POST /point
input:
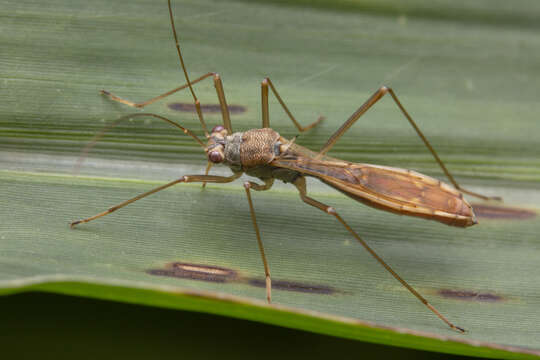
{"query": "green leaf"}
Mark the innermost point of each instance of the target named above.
(470, 81)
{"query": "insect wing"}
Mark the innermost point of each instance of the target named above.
(400, 191)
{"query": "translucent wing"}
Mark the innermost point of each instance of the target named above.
(400, 191)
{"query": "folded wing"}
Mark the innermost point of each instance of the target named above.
(400, 191)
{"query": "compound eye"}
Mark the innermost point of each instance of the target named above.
(215, 157)
(218, 128)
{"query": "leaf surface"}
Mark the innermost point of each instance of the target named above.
(469, 81)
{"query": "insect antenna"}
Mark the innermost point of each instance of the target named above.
(197, 103)
(98, 136)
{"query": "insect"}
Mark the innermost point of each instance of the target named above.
(264, 154)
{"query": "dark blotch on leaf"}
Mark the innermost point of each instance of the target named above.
(470, 295)
(500, 212)
(196, 272)
(221, 275)
(294, 286)
(208, 108)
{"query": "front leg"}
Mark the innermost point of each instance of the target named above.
(183, 179)
(142, 104)
(219, 91)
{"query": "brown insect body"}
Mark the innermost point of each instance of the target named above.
(264, 154)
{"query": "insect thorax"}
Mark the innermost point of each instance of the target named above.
(252, 151)
(251, 148)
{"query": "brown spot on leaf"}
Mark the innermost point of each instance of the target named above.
(196, 272)
(208, 108)
(469, 295)
(501, 212)
(221, 275)
(294, 286)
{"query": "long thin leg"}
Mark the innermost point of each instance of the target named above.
(98, 136)
(153, 100)
(219, 90)
(217, 83)
(266, 114)
(223, 104)
(208, 167)
(300, 184)
(248, 186)
(183, 179)
(368, 104)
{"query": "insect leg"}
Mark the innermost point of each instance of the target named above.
(183, 179)
(98, 136)
(153, 100)
(208, 167)
(383, 90)
(224, 114)
(267, 185)
(219, 90)
(223, 104)
(300, 184)
(189, 84)
(266, 114)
